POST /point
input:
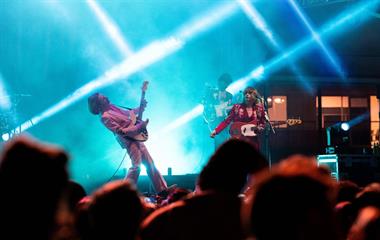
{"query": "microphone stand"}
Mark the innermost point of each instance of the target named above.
(266, 115)
(268, 153)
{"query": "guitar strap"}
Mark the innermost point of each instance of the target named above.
(124, 107)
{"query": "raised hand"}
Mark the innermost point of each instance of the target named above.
(144, 123)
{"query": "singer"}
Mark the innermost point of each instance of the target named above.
(247, 119)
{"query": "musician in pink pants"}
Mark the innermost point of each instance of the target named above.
(247, 119)
(118, 121)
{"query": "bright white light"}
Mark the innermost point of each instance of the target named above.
(196, 111)
(318, 39)
(345, 126)
(343, 19)
(110, 28)
(277, 100)
(234, 88)
(241, 83)
(150, 54)
(260, 24)
(206, 21)
(257, 20)
(5, 102)
(5, 136)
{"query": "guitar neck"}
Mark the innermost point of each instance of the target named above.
(139, 116)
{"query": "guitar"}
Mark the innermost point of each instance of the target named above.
(212, 112)
(216, 106)
(249, 129)
(142, 135)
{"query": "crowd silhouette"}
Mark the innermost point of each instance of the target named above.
(236, 196)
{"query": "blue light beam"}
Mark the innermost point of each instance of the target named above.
(329, 54)
(259, 22)
(327, 31)
(112, 30)
(150, 54)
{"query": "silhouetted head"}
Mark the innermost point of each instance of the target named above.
(229, 167)
(290, 201)
(33, 177)
(224, 80)
(115, 211)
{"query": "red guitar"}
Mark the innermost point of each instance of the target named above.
(249, 129)
(143, 133)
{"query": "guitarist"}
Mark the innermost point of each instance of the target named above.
(120, 122)
(250, 111)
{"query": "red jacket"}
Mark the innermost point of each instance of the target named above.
(239, 113)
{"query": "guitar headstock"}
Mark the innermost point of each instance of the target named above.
(293, 121)
(144, 86)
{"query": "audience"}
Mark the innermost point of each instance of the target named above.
(214, 212)
(294, 201)
(33, 177)
(115, 211)
(236, 197)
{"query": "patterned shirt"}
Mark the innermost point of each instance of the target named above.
(239, 113)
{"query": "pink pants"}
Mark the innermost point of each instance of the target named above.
(139, 154)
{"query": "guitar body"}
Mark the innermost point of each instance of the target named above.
(243, 129)
(142, 136)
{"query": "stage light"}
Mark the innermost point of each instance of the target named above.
(5, 102)
(345, 126)
(296, 51)
(278, 100)
(5, 136)
(110, 28)
(333, 60)
(257, 20)
(196, 111)
(150, 54)
(261, 25)
(355, 121)
(241, 83)
(337, 25)
(207, 20)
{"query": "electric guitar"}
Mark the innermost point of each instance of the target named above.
(142, 134)
(216, 105)
(212, 112)
(249, 129)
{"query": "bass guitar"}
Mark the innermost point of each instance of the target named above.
(249, 129)
(142, 134)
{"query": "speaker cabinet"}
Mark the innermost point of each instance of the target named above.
(361, 169)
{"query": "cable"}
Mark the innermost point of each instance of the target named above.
(122, 160)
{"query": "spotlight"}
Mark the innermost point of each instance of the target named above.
(345, 126)
(5, 137)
